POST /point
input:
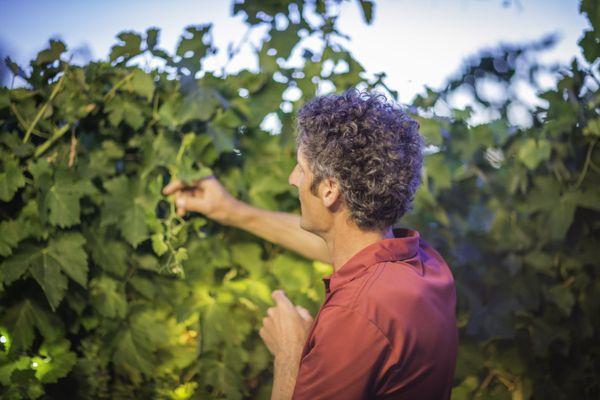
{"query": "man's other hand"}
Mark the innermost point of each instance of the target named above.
(206, 196)
(285, 328)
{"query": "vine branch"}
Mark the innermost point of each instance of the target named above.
(588, 160)
(46, 104)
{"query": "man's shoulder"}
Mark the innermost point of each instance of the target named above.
(386, 282)
(348, 319)
(399, 293)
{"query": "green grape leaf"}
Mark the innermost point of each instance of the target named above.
(192, 41)
(224, 379)
(142, 83)
(590, 41)
(200, 104)
(62, 199)
(592, 128)
(431, 130)
(129, 47)
(11, 178)
(144, 286)
(108, 297)
(367, 10)
(51, 54)
(123, 210)
(11, 233)
(8, 366)
(436, 167)
(532, 152)
(111, 255)
(122, 110)
(292, 273)
(55, 361)
(67, 251)
(158, 244)
(192, 48)
(152, 35)
(562, 297)
(285, 40)
(133, 354)
(133, 225)
(248, 255)
(136, 345)
(23, 318)
(63, 254)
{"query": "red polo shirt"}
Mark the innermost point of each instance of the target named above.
(387, 328)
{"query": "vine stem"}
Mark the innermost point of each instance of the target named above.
(488, 379)
(46, 104)
(73, 148)
(118, 85)
(58, 133)
(15, 111)
(588, 159)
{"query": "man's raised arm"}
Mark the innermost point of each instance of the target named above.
(211, 199)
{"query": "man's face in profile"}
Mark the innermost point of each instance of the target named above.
(301, 177)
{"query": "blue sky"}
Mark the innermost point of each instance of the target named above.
(416, 42)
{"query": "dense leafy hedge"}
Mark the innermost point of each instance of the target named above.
(517, 214)
(107, 293)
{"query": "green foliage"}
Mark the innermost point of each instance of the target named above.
(107, 293)
(516, 214)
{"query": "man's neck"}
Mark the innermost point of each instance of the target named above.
(345, 242)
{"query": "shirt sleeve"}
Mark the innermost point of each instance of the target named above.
(345, 358)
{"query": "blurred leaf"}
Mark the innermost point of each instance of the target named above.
(51, 54)
(63, 254)
(21, 320)
(248, 255)
(108, 297)
(142, 84)
(11, 178)
(532, 152)
(129, 47)
(55, 361)
(152, 35)
(367, 10)
(592, 128)
(284, 40)
(63, 197)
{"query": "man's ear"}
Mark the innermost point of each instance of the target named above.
(330, 191)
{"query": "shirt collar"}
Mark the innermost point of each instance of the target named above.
(404, 246)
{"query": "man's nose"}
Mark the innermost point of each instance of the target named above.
(291, 177)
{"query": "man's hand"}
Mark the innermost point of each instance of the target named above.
(206, 196)
(285, 328)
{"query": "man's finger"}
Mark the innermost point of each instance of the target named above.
(189, 201)
(180, 203)
(281, 299)
(173, 186)
(304, 313)
(202, 182)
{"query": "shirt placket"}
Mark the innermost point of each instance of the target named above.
(328, 294)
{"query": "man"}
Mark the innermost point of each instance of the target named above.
(387, 327)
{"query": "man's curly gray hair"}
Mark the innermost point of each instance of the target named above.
(371, 147)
